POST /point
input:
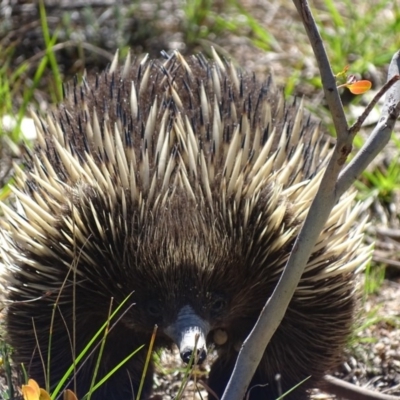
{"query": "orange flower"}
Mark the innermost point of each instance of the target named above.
(359, 87)
(355, 86)
(69, 395)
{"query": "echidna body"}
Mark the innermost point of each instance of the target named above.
(177, 187)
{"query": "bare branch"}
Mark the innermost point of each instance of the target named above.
(272, 314)
(328, 78)
(352, 392)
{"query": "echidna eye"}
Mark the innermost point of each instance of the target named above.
(154, 309)
(218, 305)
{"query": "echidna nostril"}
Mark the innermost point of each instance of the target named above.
(198, 358)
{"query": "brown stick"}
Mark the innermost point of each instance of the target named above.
(349, 391)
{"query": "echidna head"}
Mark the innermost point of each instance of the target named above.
(189, 270)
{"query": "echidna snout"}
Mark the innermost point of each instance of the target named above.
(189, 332)
(178, 186)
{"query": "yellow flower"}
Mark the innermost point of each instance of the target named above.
(32, 391)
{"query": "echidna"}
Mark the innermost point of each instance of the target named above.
(179, 186)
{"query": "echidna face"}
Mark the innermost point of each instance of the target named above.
(186, 319)
(179, 186)
(194, 281)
